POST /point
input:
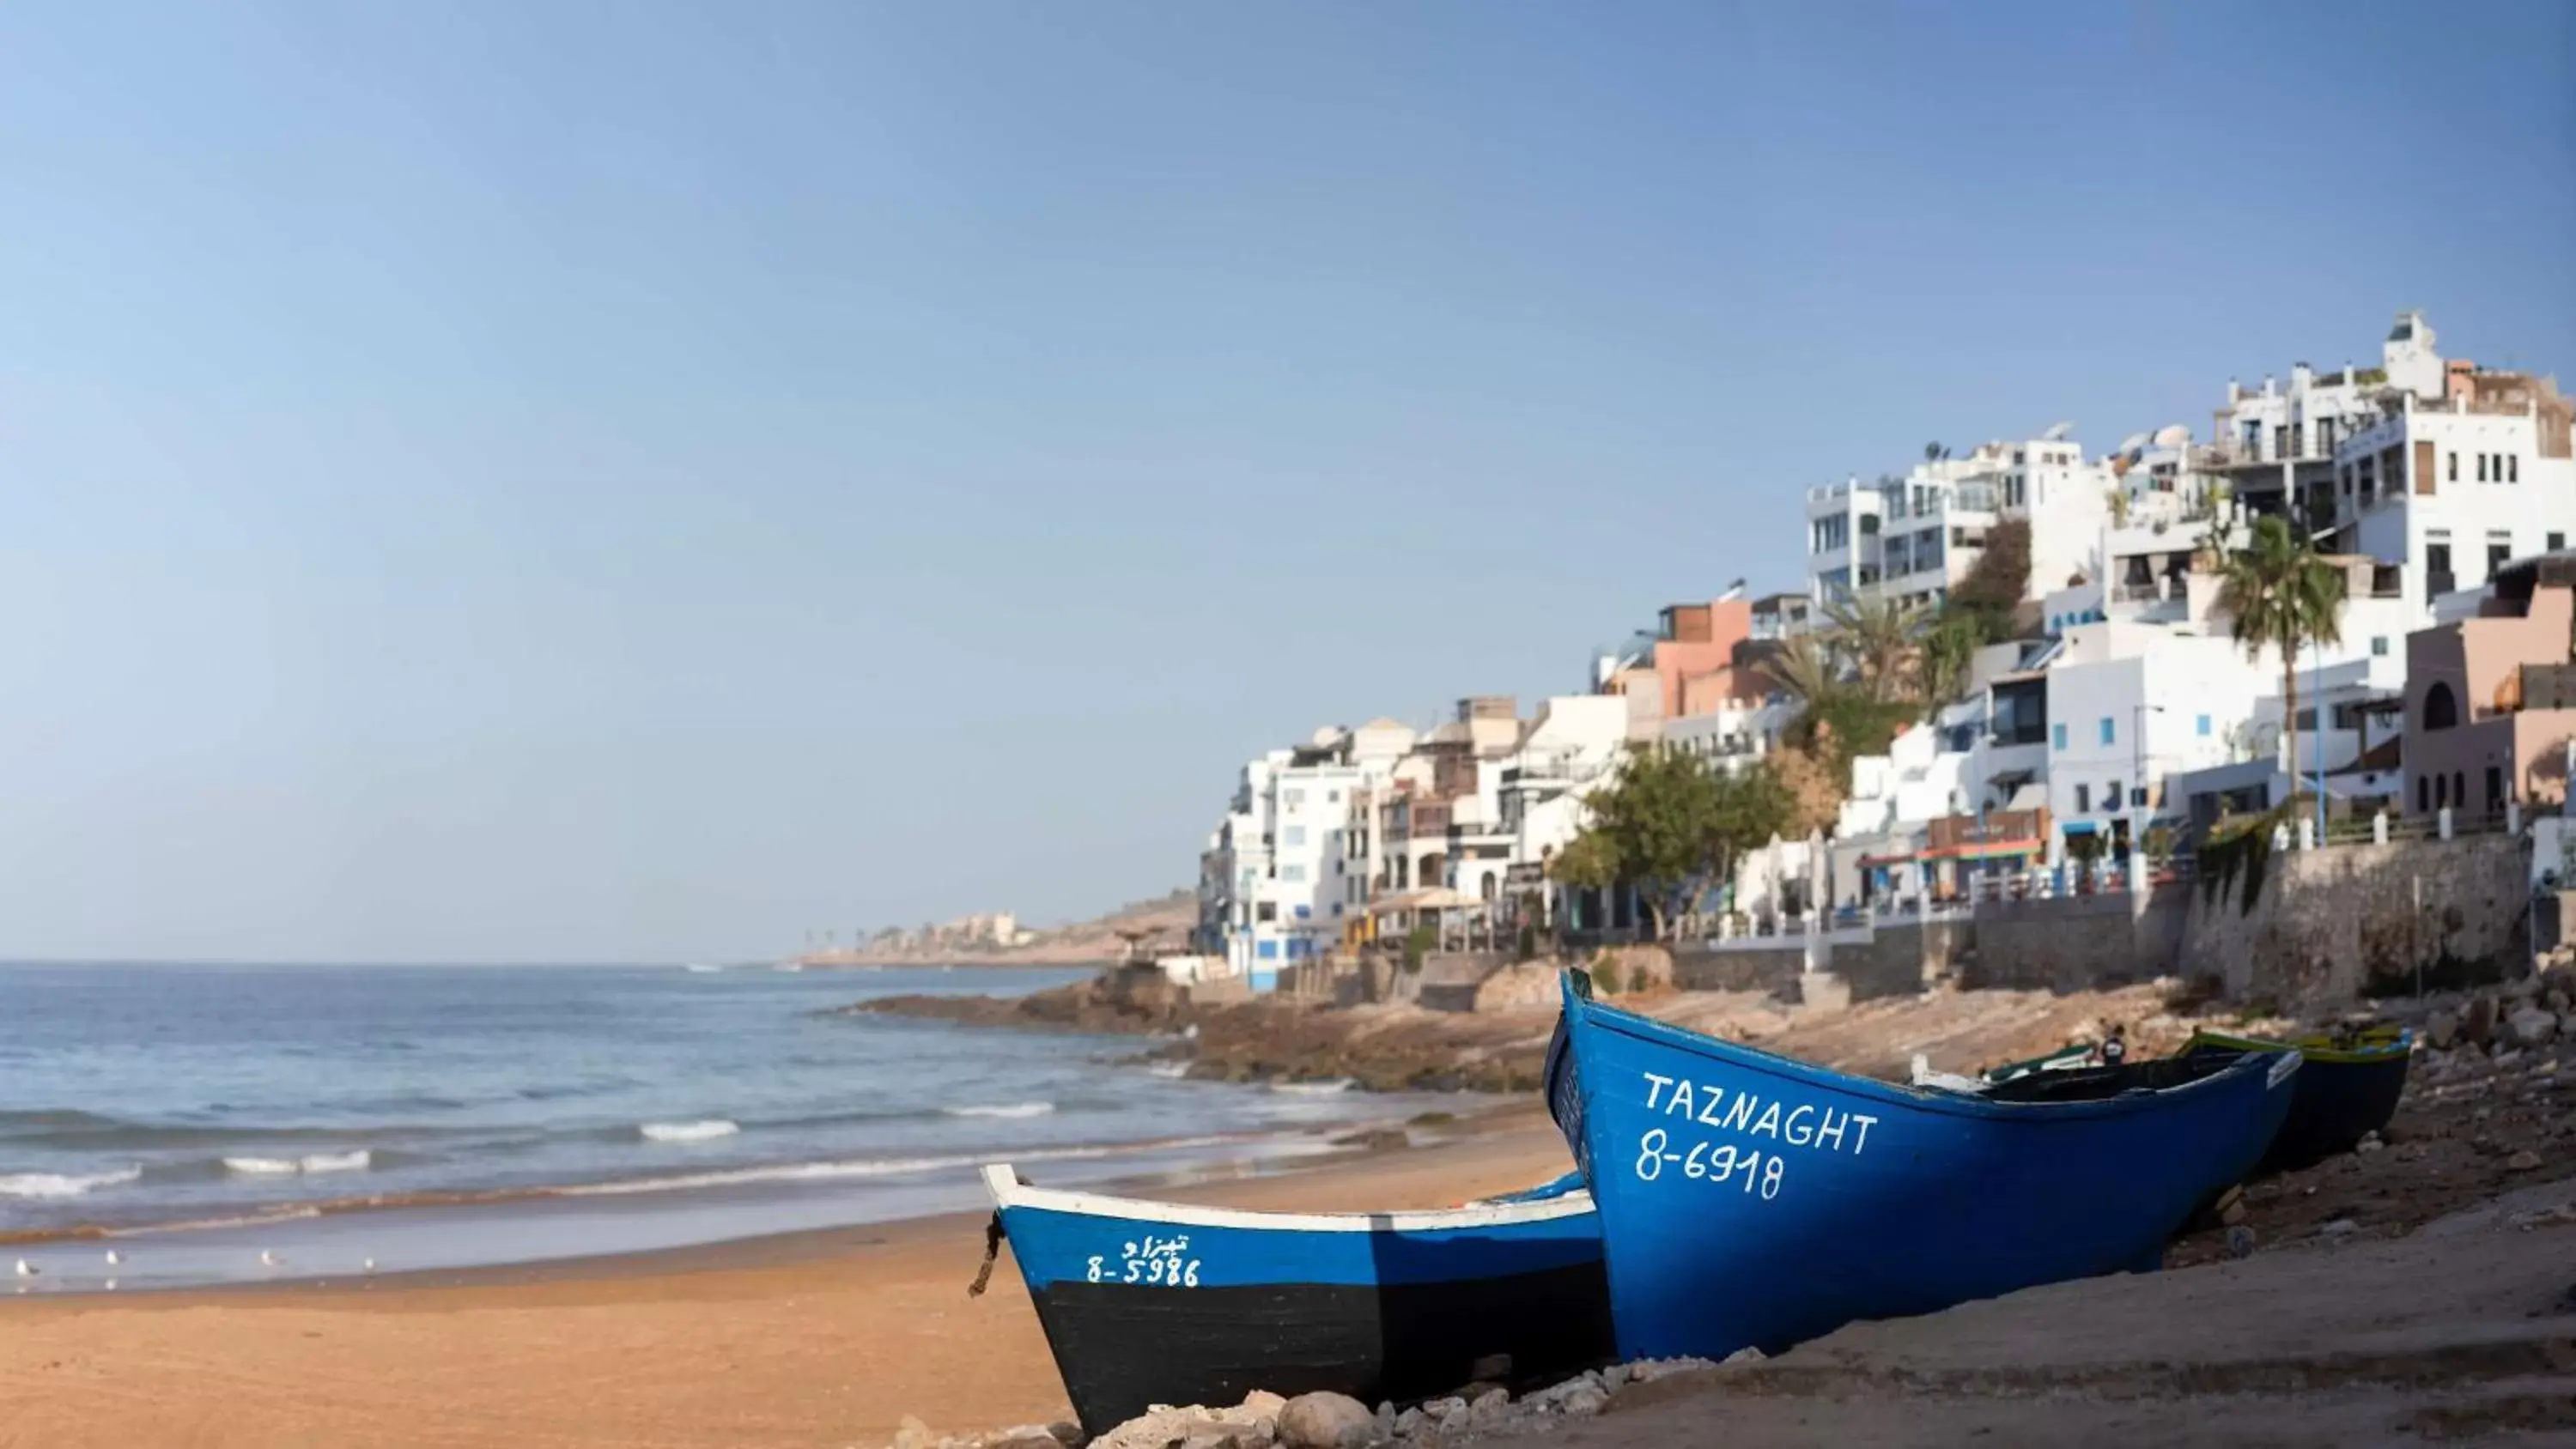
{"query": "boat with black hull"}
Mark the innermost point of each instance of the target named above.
(1149, 1303)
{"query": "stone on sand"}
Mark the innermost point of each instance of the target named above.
(1326, 1421)
(2531, 1027)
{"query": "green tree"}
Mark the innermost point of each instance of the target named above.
(1941, 661)
(1878, 636)
(1668, 825)
(2281, 593)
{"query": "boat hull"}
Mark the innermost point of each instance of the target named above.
(1150, 1303)
(2343, 1094)
(1751, 1201)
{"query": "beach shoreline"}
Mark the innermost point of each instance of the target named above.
(822, 1337)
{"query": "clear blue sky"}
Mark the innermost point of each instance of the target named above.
(561, 481)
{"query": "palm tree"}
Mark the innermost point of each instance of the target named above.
(1879, 636)
(1804, 666)
(2281, 593)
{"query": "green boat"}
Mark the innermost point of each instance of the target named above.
(2347, 1089)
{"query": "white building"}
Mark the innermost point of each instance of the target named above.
(2458, 486)
(1573, 744)
(1732, 736)
(1292, 860)
(1913, 538)
(2424, 461)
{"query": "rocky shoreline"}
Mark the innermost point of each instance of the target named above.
(1393, 1047)
(1373, 1048)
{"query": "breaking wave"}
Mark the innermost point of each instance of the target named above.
(706, 1131)
(1002, 1109)
(63, 1184)
(1313, 1089)
(358, 1161)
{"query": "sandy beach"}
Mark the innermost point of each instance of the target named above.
(811, 1339)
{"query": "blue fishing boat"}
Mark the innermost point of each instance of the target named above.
(1149, 1303)
(1751, 1201)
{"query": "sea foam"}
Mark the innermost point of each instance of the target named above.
(1313, 1089)
(63, 1184)
(357, 1161)
(706, 1131)
(1003, 1109)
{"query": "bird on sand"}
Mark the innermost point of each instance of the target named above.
(114, 1257)
(269, 1259)
(26, 1269)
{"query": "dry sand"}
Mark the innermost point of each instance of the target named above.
(811, 1340)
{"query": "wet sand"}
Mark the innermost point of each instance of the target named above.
(806, 1339)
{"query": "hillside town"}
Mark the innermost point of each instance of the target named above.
(2013, 670)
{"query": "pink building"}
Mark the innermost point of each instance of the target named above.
(2491, 701)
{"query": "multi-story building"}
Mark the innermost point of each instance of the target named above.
(2276, 446)
(2491, 700)
(2424, 461)
(1293, 858)
(1697, 659)
(1913, 538)
(2459, 485)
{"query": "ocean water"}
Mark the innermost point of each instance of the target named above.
(209, 1123)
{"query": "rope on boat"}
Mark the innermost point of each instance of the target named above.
(992, 1251)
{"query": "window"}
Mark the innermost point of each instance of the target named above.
(1293, 835)
(2057, 737)
(2513, 467)
(2557, 541)
(1266, 911)
(2482, 467)
(2423, 795)
(2441, 707)
(1292, 799)
(1332, 797)
(1337, 911)
(2200, 726)
(2437, 568)
(2455, 468)
(1305, 913)
(2378, 646)
(2083, 798)
(1267, 951)
(2110, 732)
(1292, 872)
(2111, 796)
